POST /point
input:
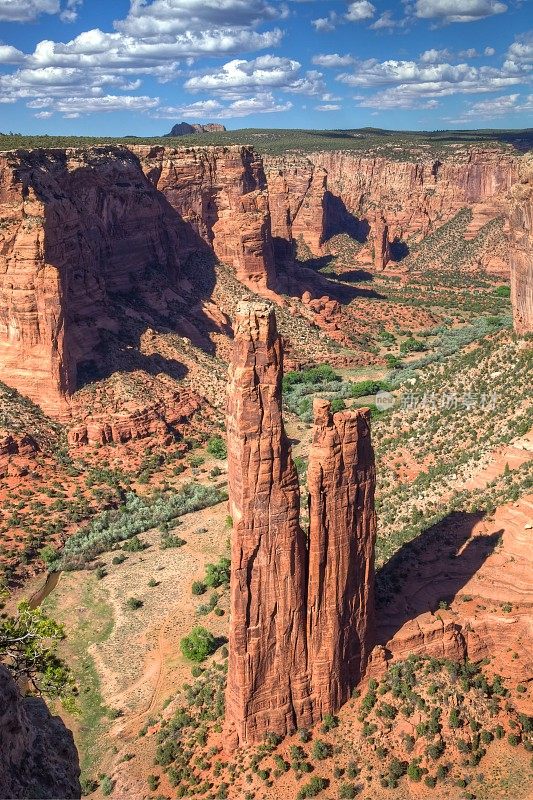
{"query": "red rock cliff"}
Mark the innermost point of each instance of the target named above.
(521, 249)
(80, 228)
(38, 757)
(341, 480)
(267, 686)
(409, 198)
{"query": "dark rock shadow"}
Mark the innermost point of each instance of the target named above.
(430, 569)
(339, 220)
(398, 249)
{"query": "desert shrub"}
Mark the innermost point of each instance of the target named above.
(216, 447)
(502, 291)
(133, 545)
(321, 750)
(198, 645)
(198, 588)
(313, 788)
(133, 603)
(106, 785)
(218, 574)
(153, 782)
(171, 540)
(414, 772)
(347, 791)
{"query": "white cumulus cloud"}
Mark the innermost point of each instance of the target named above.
(458, 10)
(360, 10)
(333, 60)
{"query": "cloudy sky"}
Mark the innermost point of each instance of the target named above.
(118, 67)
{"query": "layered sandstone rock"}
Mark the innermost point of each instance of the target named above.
(38, 757)
(267, 686)
(367, 195)
(342, 530)
(301, 618)
(521, 249)
(81, 231)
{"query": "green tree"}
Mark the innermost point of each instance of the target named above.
(28, 648)
(198, 645)
(216, 447)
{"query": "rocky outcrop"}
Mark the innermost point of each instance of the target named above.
(13, 446)
(267, 686)
(521, 249)
(301, 616)
(38, 757)
(187, 128)
(83, 232)
(342, 530)
(371, 196)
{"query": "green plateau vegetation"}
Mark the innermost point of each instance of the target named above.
(275, 141)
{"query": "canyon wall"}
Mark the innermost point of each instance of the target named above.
(317, 195)
(93, 237)
(38, 757)
(82, 231)
(301, 612)
(521, 249)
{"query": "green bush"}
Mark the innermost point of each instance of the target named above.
(133, 603)
(171, 540)
(216, 447)
(218, 574)
(364, 388)
(198, 645)
(503, 291)
(106, 785)
(321, 750)
(347, 791)
(134, 545)
(313, 788)
(198, 588)
(153, 782)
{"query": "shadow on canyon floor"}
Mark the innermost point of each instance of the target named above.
(430, 569)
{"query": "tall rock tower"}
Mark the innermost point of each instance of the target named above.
(301, 608)
(267, 676)
(342, 530)
(521, 249)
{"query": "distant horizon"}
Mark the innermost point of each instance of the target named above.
(272, 128)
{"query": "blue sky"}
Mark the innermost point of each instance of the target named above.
(119, 67)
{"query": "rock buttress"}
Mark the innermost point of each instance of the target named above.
(267, 678)
(342, 530)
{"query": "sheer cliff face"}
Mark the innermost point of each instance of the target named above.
(301, 612)
(521, 249)
(342, 530)
(320, 194)
(38, 757)
(79, 229)
(267, 682)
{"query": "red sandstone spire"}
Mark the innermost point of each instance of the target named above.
(301, 619)
(342, 531)
(267, 681)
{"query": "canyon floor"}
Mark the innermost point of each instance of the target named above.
(432, 352)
